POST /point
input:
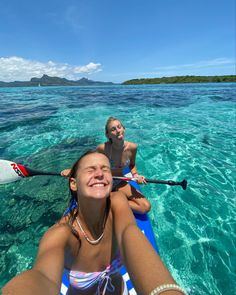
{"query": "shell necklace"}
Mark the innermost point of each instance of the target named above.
(93, 242)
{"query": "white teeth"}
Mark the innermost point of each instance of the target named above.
(98, 184)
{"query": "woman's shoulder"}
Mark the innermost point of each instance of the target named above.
(57, 235)
(101, 147)
(59, 231)
(118, 197)
(62, 234)
(130, 146)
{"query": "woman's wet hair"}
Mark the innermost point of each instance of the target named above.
(73, 201)
(109, 120)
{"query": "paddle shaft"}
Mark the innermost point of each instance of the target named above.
(10, 171)
(32, 172)
(182, 183)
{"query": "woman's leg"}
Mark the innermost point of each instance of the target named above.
(137, 201)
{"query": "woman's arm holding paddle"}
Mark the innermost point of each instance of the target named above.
(146, 269)
(133, 148)
(45, 276)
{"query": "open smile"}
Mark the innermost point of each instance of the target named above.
(98, 184)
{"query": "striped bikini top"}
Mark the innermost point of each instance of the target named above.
(82, 280)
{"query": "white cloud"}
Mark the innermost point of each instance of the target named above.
(206, 64)
(17, 68)
(91, 67)
(217, 66)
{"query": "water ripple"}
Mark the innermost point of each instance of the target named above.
(183, 131)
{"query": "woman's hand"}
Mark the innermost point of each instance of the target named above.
(139, 178)
(65, 172)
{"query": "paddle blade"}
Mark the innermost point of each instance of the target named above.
(10, 172)
(184, 184)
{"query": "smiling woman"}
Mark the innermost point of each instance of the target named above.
(90, 183)
(88, 243)
(94, 180)
(83, 242)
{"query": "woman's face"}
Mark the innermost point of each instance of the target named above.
(116, 131)
(94, 178)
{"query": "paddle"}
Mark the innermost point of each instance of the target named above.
(182, 183)
(10, 172)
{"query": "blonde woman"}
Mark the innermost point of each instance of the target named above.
(122, 156)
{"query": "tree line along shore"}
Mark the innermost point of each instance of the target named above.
(182, 79)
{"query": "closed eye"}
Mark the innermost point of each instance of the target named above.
(92, 169)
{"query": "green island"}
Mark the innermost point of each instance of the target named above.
(46, 80)
(182, 79)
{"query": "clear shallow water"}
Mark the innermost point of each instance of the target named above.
(183, 131)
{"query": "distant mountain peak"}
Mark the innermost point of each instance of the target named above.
(46, 80)
(83, 79)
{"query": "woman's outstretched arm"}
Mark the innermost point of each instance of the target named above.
(45, 276)
(144, 265)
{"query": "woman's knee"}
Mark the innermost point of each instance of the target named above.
(146, 205)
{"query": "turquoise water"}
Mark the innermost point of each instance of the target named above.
(183, 131)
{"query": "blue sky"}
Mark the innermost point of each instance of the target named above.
(108, 40)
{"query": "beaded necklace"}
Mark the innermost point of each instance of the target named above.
(93, 242)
